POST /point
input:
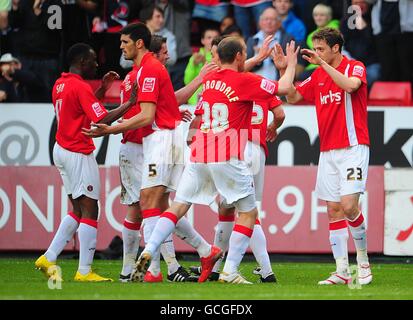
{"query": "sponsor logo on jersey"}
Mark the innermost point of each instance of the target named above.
(358, 71)
(97, 108)
(148, 85)
(331, 97)
(268, 86)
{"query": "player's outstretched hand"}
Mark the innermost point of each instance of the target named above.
(186, 115)
(108, 79)
(278, 57)
(271, 134)
(311, 56)
(99, 130)
(292, 52)
(208, 67)
(265, 51)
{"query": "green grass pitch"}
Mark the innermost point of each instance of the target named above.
(19, 280)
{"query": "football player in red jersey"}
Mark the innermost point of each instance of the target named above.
(162, 143)
(217, 164)
(338, 87)
(255, 154)
(130, 165)
(76, 107)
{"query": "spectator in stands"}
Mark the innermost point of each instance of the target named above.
(5, 33)
(112, 16)
(304, 8)
(247, 14)
(76, 22)
(392, 23)
(209, 14)
(226, 22)
(232, 30)
(290, 22)
(323, 18)
(269, 24)
(154, 19)
(359, 40)
(19, 85)
(39, 48)
(178, 21)
(198, 60)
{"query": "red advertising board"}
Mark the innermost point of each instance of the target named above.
(32, 202)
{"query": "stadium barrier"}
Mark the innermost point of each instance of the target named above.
(32, 199)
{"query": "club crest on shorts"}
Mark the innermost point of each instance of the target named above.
(90, 188)
(268, 86)
(148, 85)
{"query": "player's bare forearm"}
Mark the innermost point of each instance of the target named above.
(293, 96)
(279, 116)
(142, 119)
(285, 84)
(347, 84)
(192, 128)
(115, 114)
(251, 63)
(100, 93)
(183, 94)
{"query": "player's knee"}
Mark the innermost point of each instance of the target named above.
(350, 208)
(246, 204)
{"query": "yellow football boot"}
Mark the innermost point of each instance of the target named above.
(49, 269)
(91, 277)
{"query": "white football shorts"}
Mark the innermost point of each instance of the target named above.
(342, 172)
(254, 156)
(79, 172)
(232, 180)
(130, 168)
(163, 159)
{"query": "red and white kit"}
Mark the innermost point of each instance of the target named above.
(256, 149)
(163, 145)
(343, 130)
(217, 153)
(131, 150)
(76, 107)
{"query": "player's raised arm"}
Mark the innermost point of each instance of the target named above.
(285, 84)
(348, 84)
(281, 63)
(107, 82)
(121, 110)
(183, 94)
(263, 53)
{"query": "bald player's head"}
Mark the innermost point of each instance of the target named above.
(231, 50)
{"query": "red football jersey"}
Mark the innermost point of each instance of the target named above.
(154, 85)
(76, 106)
(341, 116)
(227, 103)
(259, 120)
(125, 92)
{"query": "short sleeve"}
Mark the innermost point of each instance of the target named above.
(358, 70)
(91, 105)
(260, 88)
(275, 102)
(306, 88)
(199, 110)
(148, 89)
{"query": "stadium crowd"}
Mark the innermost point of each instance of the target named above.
(35, 35)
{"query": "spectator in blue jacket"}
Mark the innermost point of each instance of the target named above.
(290, 22)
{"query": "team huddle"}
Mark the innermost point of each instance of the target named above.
(228, 147)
